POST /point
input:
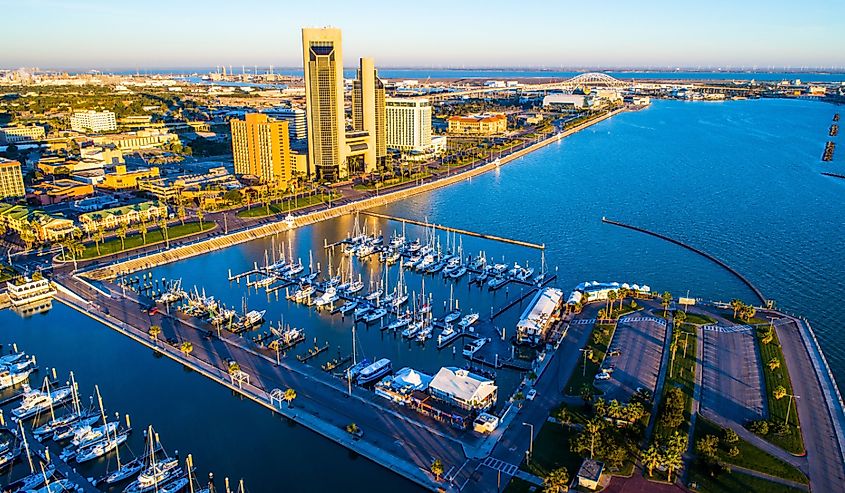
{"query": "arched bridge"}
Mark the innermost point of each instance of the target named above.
(596, 80)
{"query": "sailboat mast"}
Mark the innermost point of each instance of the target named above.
(26, 447)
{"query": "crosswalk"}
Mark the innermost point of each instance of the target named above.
(583, 321)
(730, 329)
(499, 465)
(656, 320)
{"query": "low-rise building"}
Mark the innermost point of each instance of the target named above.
(566, 102)
(150, 138)
(25, 290)
(589, 474)
(20, 133)
(463, 389)
(121, 179)
(481, 124)
(599, 291)
(25, 220)
(93, 121)
(95, 203)
(57, 191)
(168, 189)
(11, 179)
(539, 316)
(60, 165)
(109, 219)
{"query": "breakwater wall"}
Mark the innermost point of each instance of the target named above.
(691, 248)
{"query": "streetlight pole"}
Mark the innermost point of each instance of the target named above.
(530, 440)
(789, 407)
(584, 351)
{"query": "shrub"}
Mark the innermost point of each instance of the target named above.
(760, 427)
(730, 437)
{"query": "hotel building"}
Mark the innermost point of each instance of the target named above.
(408, 124)
(11, 179)
(261, 148)
(93, 121)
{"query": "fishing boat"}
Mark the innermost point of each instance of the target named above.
(328, 297)
(252, 318)
(10, 378)
(473, 347)
(448, 331)
(374, 371)
(375, 315)
(468, 320)
(36, 401)
(173, 294)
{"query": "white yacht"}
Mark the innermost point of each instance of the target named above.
(36, 401)
(10, 378)
(374, 371)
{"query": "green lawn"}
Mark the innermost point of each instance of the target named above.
(683, 377)
(699, 319)
(258, 210)
(750, 457)
(392, 182)
(517, 485)
(551, 451)
(791, 442)
(734, 482)
(135, 240)
(599, 347)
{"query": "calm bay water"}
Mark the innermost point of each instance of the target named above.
(740, 180)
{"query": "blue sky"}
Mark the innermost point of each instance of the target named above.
(434, 33)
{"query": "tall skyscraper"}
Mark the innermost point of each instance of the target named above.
(322, 57)
(408, 123)
(261, 148)
(368, 112)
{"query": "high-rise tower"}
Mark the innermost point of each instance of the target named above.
(368, 112)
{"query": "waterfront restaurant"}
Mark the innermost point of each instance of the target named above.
(441, 411)
(539, 316)
(463, 389)
(399, 387)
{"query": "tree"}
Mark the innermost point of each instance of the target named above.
(27, 235)
(154, 332)
(289, 396)
(673, 409)
(181, 213)
(680, 318)
(563, 416)
(200, 215)
(436, 469)
(99, 237)
(666, 300)
(557, 480)
(186, 348)
(623, 293)
(121, 233)
(593, 428)
(651, 458)
(736, 305)
(162, 224)
(779, 392)
(673, 462)
(774, 363)
(730, 437)
(587, 393)
(759, 427)
(143, 229)
(611, 298)
(707, 447)
(747, 313)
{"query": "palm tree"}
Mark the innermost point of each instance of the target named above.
(143, 229)
(186, 348)
(736, 305)
(200, 215)
(27, 235)
(181, 213)
(680, 318)
(593, 427)
(556, 480)
(611, 298)
(162, 224)
(437, 469)
(666, 300)
(289, 396)
(623, 293)
(651, 458)
(673, 462)
(774, 363)
(99, 237)
(121, 233)
(154, 331)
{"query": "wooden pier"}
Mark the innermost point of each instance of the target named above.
(457, 230)
(312, 353)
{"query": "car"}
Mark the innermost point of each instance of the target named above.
(603, 376)
(153, 310)
(531, 394)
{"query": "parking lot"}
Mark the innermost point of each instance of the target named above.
(731, 376)
(634, 354)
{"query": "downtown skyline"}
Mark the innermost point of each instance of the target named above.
(71, 35)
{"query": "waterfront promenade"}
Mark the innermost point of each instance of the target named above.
(132, 262)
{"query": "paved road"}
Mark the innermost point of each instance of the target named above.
(826, 466)
(640, 339)
(514, 442)
(732, 376)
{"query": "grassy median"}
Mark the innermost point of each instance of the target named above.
(287, 205)
(600, 338)
(135, 240)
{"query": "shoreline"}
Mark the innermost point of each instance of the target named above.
(146, 261)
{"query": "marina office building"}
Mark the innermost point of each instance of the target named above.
(539, 316)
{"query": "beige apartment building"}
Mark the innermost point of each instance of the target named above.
(261, 148)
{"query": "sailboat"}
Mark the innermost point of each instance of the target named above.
(102, 447)
(74, 416)
(156, 474)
